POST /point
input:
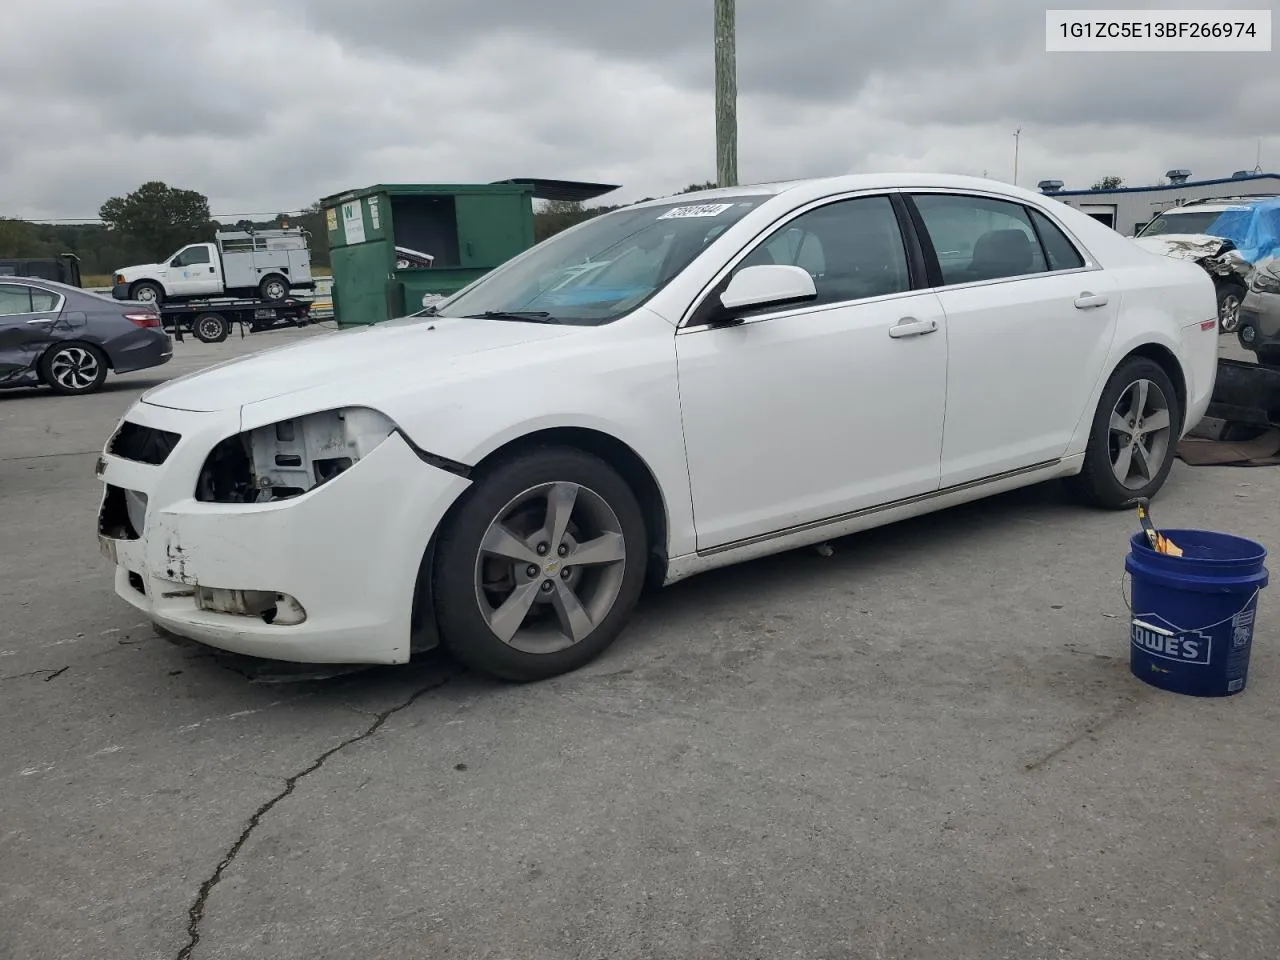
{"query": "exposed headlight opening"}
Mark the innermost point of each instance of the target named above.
(290, 457)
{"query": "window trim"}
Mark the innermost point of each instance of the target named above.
(931, 254)
(61, 298)
(913, 248)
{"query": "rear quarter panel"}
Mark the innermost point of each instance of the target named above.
(1163, 302)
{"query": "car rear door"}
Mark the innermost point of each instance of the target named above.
(25, 329)
(799, 415)
(1030, 320)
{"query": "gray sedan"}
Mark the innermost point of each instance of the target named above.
(68, 338)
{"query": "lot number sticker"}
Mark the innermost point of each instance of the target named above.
(697, 210)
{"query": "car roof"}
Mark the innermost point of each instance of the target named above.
(1220, 204)
(851, 182)
(56, 286)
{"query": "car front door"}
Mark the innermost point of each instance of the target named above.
(1029, 322)
(28, 322)
(794, 416)
(192, 272)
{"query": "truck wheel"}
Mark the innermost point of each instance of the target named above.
(274, 288)
(147, 292)
(211, 327)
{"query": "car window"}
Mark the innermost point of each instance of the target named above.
(979, 238)
(852, 248)
(1063, 254)
(606, 267)
(191, 256)
(43, 300)
(14, 299)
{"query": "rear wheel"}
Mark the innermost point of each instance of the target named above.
(211, 327)
(147, 292)
(1133, 439)
(73, 368)
(540, 568)
(273, 288)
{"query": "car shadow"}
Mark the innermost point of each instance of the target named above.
(763, 580)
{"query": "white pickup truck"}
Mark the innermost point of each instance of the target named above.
(248, 263)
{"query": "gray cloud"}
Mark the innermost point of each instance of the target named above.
(265, 107)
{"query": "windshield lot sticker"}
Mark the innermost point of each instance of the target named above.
(697, 210)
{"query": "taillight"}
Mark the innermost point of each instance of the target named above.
(143, 319)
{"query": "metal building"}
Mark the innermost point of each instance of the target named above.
(1128, 209)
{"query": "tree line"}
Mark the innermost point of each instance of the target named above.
(155, 220)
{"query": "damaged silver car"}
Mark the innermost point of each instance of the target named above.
(1260, 313)
(1226, 237)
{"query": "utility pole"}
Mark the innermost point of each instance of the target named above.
(726, 94)
(1017, 135)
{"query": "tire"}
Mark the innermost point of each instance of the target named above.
(74, 368)
(1097, 483)
(147, 292)
(210, 327)
(274, 288)
(1229, 297)
(470, 585)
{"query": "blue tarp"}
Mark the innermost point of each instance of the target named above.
(1255, 231)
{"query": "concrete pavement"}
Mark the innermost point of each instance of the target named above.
(927, 746)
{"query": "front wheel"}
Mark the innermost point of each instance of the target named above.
(1133, 438)
(147, 292)
(539, 569)
(1230, 297)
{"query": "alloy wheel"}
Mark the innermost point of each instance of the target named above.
(550, 567)
(1229, 313)
(75, 368)
(1140, 436)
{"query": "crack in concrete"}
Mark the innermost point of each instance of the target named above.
(1090, 731)
(35, 673)
(195, 915)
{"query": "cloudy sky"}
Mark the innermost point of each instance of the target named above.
(266, 105)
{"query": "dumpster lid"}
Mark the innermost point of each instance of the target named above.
(571, 190)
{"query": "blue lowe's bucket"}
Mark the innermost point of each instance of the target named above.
(1192, 625)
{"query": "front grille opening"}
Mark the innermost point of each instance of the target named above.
(120, 519)
(142, 444)
(135, 581)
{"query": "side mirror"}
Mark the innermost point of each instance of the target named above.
(768, 285)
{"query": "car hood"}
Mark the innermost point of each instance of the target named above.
(425, 347)
(1216, 254)
(139, 269)
(1183, 246)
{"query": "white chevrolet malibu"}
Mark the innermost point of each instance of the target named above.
(675, 386)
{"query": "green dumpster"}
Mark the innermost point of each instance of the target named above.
(392, 244)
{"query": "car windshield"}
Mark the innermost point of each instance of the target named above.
(603, 269)
(1192, 221)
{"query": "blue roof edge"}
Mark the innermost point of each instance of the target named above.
(1163, 186)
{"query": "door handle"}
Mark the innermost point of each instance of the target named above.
(1087, 300)
(911, 327)
(41, 320)
(211, 269)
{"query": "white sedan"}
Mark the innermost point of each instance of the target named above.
(679, 385)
